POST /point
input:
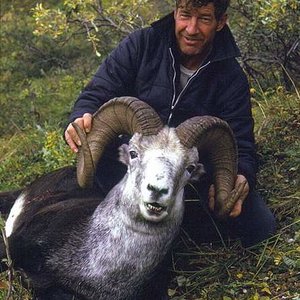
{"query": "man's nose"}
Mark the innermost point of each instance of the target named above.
(192, 26)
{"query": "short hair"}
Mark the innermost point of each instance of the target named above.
(220, 5)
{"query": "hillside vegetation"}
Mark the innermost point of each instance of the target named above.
(49, 51)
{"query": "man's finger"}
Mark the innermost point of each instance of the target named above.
(237, 209)
(240, 193)
(70, 142)
(243, 190)
(71, 136)
(74, 136)
(87, 122)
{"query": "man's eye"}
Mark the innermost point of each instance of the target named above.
(133, 154)
(184, 16)
(205, 19)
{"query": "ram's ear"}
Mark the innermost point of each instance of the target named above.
(198, 172)
(124, 154)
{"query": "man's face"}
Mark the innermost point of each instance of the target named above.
(195, 28)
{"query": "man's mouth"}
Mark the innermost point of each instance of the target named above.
(191, 40)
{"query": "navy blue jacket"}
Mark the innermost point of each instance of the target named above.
(146, 65)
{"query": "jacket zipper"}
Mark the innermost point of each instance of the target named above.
(174, 87)
(174, 100)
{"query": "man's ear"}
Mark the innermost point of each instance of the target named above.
(222, 22)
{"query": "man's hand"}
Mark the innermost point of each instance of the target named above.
(85, 123)
(241, 190)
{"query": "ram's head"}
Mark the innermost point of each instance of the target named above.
(158, 169)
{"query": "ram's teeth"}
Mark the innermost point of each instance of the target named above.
(154, 208)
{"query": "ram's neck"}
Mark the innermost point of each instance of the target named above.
(117, 224)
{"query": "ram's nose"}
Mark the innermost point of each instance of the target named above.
(157, 192)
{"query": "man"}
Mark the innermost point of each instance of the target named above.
(183, 65)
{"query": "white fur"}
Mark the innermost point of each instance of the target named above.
(13, 215)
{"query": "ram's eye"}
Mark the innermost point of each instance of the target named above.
(191, 168)
(133, 154)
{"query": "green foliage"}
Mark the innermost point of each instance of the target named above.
(40, 77)
(270, 14)
(268, 34)
(52, 22)
(30, 153)
(55, 154)
(103, 23)
(38, 100)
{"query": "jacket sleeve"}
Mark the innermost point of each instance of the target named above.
(235, 108)
(115, 77)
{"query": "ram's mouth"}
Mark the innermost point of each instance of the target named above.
(155, 208)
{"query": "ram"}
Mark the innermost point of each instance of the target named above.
(70, 241)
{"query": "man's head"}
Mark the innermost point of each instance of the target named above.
(220, 5)
(196, 23)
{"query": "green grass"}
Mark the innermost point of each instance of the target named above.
(266, 271)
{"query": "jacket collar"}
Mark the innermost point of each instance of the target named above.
(224, 45)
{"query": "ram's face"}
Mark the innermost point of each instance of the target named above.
(158, 169)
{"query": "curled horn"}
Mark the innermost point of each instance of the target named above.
(123, 115)
(215, 141)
